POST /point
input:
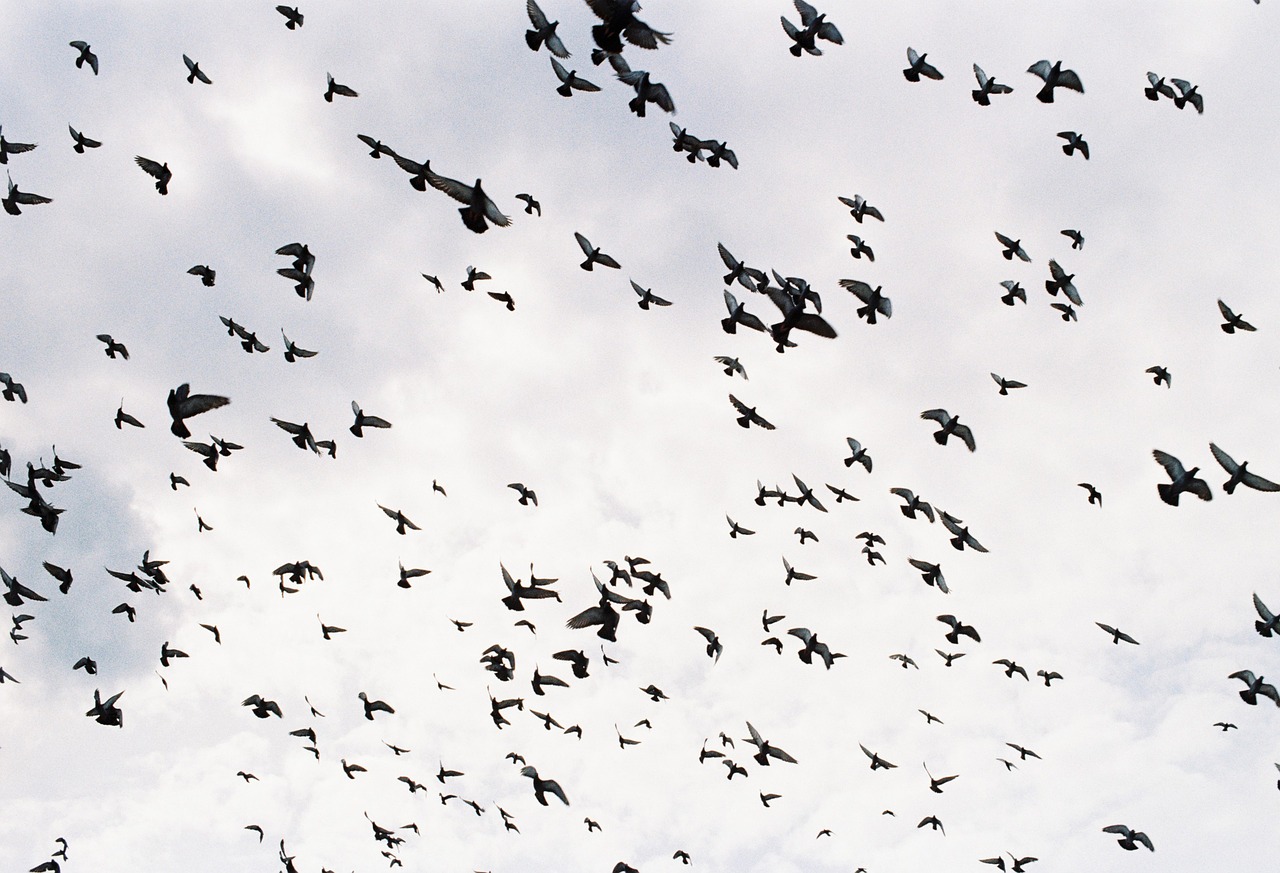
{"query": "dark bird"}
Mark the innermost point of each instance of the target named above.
(1255, 687)
(1075, 142)
(747, 277)
(540, 680)
(987, 86)
(919, 67)
(105, 712)
(860, 248)
(1157, 87)
(812, 646)
(872, 298)
(1012, 247)
(912, 504)
(543, 32)
(543, 787)
(377, 149)
(906, 660)
(814, 26)
(931, 573)
(160, 172)
(681, 855)
(748, 416)
(930, 718)
(1068, 312)
(950, 426)
(334, 88)
(293, 18)
(1231, 325)
(1188, 94)
(292, 351)
(805, 535)
(477, 206)
(262, 707)
(738, 315)
(647, 297)
(577, 661)
(1023, 753)
(527, 495)
(194, 72)
(1240, 474)
(806, 495)
(655, 693)
(735, 529)
(594, 255)
(328, 630)
(1160, 374)
(877, 763)
(87, 664)
(1054, 77)
(766, 750)
(962, 536)
(183, 405)
(352, 769)
(1011, 667)
(401, 521)
(1226, 726)
(63, 576)
(1183, 479)
(15, 198)
(127, 611)
(363, 421)
(1129, 839)
(85, 56)
(206, 274)
(957, 630)
(859, 208)
(731, 365)
(591, 825)
(933, 822)
(16, 148)
(530, 205)
(1061, 281)
(1048, 676)
(1269, 624)
(1013, 291)
(1006, 384)
(213, 629)
(1095, 496)
(122, 417)
(647, 91)
(81, 142)
(619, 21)
(714, 647)
(474, 276)
(794, 574)
(570, 81)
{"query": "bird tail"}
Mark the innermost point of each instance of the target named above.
(941, 437)
(1168, 494)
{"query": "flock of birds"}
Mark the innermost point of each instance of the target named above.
(633, 585)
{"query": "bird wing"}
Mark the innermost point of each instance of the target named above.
(938, 415)
(150, 167)
(1041, 69)
(459, 191)
(1068, 79)
(1171, 464)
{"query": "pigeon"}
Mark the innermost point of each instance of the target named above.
(1157, 87)
(619, 21)
(543, 32)
(919, 67)
(293, 351)
(1183, 479)
(986, 87)
(1095, 496)
(1013, 291)
(814, 26)
(183, 405)
(860, 209)
(335, 88)
(113, 348)
(957, 630)
(877, 763)
(860, 248)
(206, 274)
(1012, 247)
(1160, 375)
(570, 81)
(1006, 384)
(1233, 321)
(16, 148)
(401, 521)
(950, 426)
(86, 56)
(81, 142)
(647, 297)
(530, 206)
(594, 255)
(1116, 635)
(1188, 94)
(1240, 474)
(1054, 77)
(1075, 142)
(16, 198)
(160, 172)
(874, 301)
(293, 18)
(1061, 281)
(748, 416)
(1129, 839)
(543, 787)
(1255, 687)
(1077, 238)
(194, 72)
(478, 208)
(647, 91)
(362, 421)
(1269, 624)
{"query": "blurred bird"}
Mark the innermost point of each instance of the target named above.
(543, 787)
(986, 87)
(1013, 291)
(183, 405)
(1189, 94)
(160, 172)
(1074, 142)
(1077, 238)
(1183, 479)
(814, 26)
(1116, 635)
(86, 56)
(1095, 496)
(335, 88)
(206, 274)
(1160, 375)
(478, 207)
(860, 209)
(527, 495)
(81, 142)
(919, 67)
(399, 517)
(1233, 321)
(113, 348)
(860, 248)
(619, 21)
(530, 205)
(293, 18)
(1157, 87)
(1054, 77)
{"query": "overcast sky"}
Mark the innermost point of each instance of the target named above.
(619, 419)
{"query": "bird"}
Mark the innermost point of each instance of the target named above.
(478, 207)
(594, 255)
(81, 142)
(571, 81)
(334, 88)
(194, 72)
(1075, 142)
(912, 504)
(919, 67)
(1023, 753)
(958, 629)
(1268, 625)
(1095, 496)
(327, 630)
(293, 351)
(1226, 726)
(766, 750)
(206, 274)
(950, 426)
(160, 172)
(15, 198)
(530, 205)
(647, 91)
(1240, 474)
(1160, 375)
(293, 18)
(113, 348)
(1068, 313)
(15, 148)
(1255, 686)
(794, 574)
(1011, 667)
(1048, 676)
(748, 416)
(619, 21)
(1183, 479)
(962, 536)
(543, 787)
(362, 421)
(655, 693)
(376, 148)
(873, 299)
(731, 365)
(931, 573)
(1006, 384)
(877, 763)
(714, 647)
(1061, 281)
(859, 208)
(1013, 291)
(352, 769)
(1116, 635)
(1157, 87)
(1012, 247)
(860, 248)
(906, 661)
(933, 822)
(987, 86)
(735, 529)
(122, 417)
(401, 521)
(262, 707)
(1054, 77)
(1233, 322)
(1187, 94)
(543, 32)
(739, 316)
(1077, 238)
(814, 26)
(527, 495)
(1129, 839)
(183, 405)
(647, 297)
(86, 56)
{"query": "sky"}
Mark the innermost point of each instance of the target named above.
(619, 419)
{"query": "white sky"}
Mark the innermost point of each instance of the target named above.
(618, 418)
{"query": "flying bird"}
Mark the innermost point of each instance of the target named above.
(81, 142)
(86, 56)
(1075, 142)
(950, 426)
(594, 255)
(958, 629)
(1188, 94)
(1233, 322)
(362, 421)
(1157, 87)
(478, 207)
(873, 299)
(619, 21)
(647, 297)
(1012, 247)
(1129, 839)
(15, 148)
(877, 763)
(1054, 77)
(399, 517)
(859, 208)
(1183, 479)
(1269, 624)
(293, 18)
(160, 172)
(194, 72)
(1240, 474)
(987, 86)
(1006, 384)
(1095, 496)
(335, 88)
(748, 416)
(16, 198)
(183, 405)
(1160, 375)
(1255, 687)
(543, 32)
(814, 26)
(919, 67)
